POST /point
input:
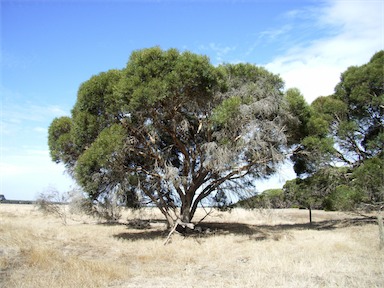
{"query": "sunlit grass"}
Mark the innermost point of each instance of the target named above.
(267, 248)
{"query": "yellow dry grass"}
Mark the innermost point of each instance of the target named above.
(261, 248)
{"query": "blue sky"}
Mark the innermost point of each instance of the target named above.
(48, 48)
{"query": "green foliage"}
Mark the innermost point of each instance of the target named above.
(97, 162)
(236, 75)
(96, 108)
(321, 190)
(225, 112)
(269, 199)
(320, 147)
(318, 126)
(345, 128)
(329, 108)
(297, 193)
(221, 201)
(274, 198)
(369, 179)
(298, 107)
(361, 89)
(153, 75)
(340, 188)
(60, 142)
(343, 198)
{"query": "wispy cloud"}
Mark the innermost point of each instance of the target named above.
(219, 51)
(273, 34)
(27, 111)
(25, 164)
(18, 114)
(354, 32)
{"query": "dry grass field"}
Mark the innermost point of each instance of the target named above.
(261, 248)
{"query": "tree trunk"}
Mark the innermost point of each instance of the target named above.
(310, 214)
(185, 213)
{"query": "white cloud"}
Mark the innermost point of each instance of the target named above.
(354, 33)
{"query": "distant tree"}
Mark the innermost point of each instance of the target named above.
(345, 129)
(359, 130)
(268, 199)
(273, 198)
(173, 129)
(324, 189)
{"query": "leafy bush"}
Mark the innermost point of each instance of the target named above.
(343, 198)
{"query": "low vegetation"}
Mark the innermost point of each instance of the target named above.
(236, 248)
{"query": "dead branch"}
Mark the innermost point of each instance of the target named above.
(206, 213)
(182, 224)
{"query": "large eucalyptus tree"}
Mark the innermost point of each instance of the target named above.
(172, 128)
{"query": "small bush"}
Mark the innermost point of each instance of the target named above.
(107, 208)
(53, 202)
(79, 204)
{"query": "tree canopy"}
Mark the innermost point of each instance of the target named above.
(343, 135)
(173, 129)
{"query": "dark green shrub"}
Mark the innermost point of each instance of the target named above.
(343, 198)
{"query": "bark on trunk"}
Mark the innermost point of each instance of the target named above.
(185, 213)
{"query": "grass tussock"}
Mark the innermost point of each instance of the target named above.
(273, 248)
